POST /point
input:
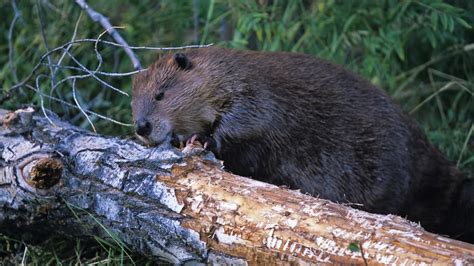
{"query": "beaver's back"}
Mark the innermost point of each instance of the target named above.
(307, 118)
(295, 120)
(299, 121)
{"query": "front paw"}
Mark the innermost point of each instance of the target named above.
(207, 142)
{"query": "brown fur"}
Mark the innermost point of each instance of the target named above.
(295, 120)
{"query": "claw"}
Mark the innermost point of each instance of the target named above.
(192, 139)
(204, 141)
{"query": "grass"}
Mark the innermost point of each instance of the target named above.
(63, 251)
(108, 250)
(420, 52)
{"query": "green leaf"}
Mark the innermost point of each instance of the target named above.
(291, 33)
(450, 24)
(259, 33)
(434, 20)
(400, 52)
(463, 22)
(354, 247)
(431, 38)
(440, 6)
(444, 21)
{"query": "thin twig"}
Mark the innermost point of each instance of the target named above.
(74, 34)
(79, 106)
(362, 254)
(56, 67)
(96, 50)
(108, 74)
(65, 50)
(23, 259)
(40, 93)
(97, 17)
(61, 47)
(150, 47)
(74, 106)
(95, 76)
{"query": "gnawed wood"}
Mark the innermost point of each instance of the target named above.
(182, 207)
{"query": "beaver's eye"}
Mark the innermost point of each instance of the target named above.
(159, 96)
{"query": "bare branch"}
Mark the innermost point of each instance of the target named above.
(91, 73)
(58, 65)
(65, 50)
(87, 40)
(108, 74)
(79, 106)
(97, 17)
(75, 107)
(40, 93)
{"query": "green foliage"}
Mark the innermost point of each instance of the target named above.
(410, 48)
(354, 247)
(420, 51)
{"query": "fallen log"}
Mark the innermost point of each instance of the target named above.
(181, 206)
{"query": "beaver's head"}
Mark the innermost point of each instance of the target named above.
(173, 99)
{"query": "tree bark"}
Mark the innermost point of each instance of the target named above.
(182, 207)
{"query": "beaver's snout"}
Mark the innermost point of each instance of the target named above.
(143, 127)
(152, 132)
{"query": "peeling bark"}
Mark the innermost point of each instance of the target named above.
(182, 207)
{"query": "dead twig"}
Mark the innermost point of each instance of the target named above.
(89, 40)
(79, 106)
(97, 17)
(75, 107)
(83, 71)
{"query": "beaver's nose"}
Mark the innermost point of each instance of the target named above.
(143, 127)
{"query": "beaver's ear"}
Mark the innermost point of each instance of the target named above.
(182, 61)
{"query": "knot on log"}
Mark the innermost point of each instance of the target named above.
(45, 173)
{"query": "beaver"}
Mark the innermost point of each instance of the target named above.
(295, 120)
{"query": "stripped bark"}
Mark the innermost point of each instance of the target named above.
(181, 206)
